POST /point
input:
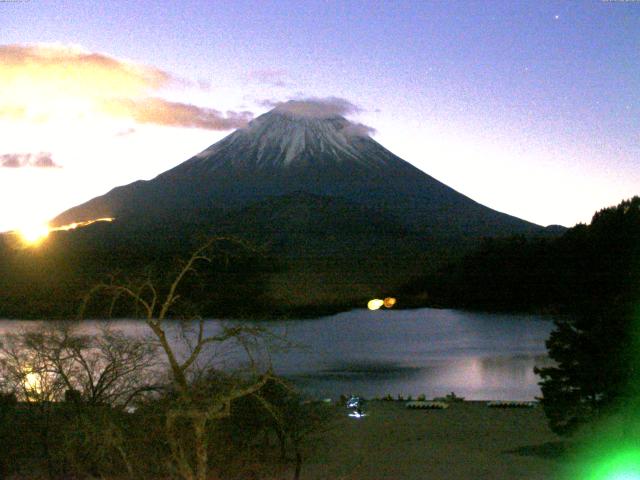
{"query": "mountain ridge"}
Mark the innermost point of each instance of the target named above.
(279, 153)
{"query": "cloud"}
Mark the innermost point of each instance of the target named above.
(162, 112)
(327, 107)
(45, 69)
(12, 160)
(20, 160)
(43, 160)
(315, 107)
(61, 83)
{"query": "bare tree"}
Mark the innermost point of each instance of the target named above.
(191, 406)
(27, 371)
(107, 368)
(56, 363)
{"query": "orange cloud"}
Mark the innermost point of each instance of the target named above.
(63, 84)
(80, 65)
(163, 112)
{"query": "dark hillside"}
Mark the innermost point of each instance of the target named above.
(588, 265)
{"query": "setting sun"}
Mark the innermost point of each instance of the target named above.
(33, 382)
(33, 234)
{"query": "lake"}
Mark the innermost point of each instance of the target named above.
(479, 356)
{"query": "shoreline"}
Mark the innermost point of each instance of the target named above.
(468, 440)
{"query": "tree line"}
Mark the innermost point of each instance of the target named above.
(587, 265)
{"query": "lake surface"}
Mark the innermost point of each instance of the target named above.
(478, 356)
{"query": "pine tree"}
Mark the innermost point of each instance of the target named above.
(597, 349)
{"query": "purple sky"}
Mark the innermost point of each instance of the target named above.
(531, 108)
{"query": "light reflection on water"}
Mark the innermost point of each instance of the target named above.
(479, 356)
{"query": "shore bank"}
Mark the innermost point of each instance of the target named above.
(468, 440)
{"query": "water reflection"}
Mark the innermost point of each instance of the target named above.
(410, 352)
(477, 378)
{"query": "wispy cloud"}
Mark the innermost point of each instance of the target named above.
(326, 107)
(21, 160)
(50, 82)
(316, 107)
(71, 71)
(163, 112)
(38, 56)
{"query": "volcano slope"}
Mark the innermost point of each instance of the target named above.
(339, 217)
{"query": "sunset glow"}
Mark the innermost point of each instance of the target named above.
(87, 113)
(33, 234)
(74, 225)
(32, 383)
(110, 108)
(42, 83)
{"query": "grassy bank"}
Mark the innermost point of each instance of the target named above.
(468, 440)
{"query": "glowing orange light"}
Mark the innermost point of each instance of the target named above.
(33, 234)
(375, 304)
(33, 382)
(389, 302)
(74, 225)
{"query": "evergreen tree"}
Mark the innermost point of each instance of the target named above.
(596, 348)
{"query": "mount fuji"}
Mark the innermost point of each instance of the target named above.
(281, 153)
(344, 217)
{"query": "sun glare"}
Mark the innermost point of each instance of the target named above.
(33, 234)
(74, 225)
(33, 382)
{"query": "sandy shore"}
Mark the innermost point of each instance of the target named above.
(466, 441)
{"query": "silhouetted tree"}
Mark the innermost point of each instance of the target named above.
(195, 402)
(57, 362)
(596, 348)
(277, 408)
(73, 390)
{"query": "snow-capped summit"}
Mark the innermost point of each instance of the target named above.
(302, 147)
(281, 138)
